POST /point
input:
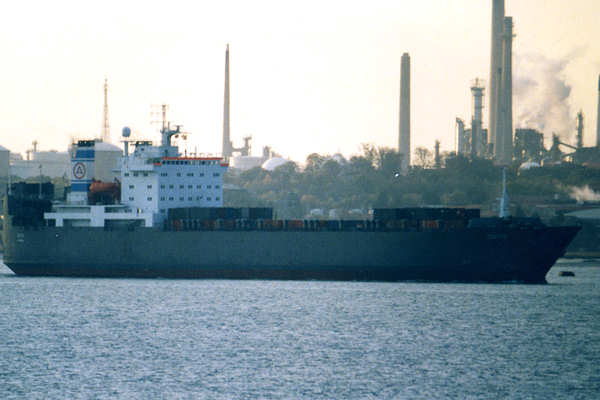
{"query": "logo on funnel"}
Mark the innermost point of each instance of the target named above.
(79, 170)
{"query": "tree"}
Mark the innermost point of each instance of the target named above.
(423, 158)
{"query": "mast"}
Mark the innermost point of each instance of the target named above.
(105, 124)
(504, 200)
(226, 133)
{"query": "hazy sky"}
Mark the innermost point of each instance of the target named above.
(306, 76)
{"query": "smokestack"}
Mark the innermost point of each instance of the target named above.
(598, 117)
(477, 119)
(504, 120)
(404, 134)
(227, 146)
(495, 68)
(580, 129)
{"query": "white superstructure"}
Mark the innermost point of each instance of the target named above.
(154, 184)
(153, 180)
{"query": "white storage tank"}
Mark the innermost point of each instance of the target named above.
(244, 163)
(106, 159)
(274, 162)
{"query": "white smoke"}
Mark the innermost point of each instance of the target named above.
(541, 96)
(583, 194)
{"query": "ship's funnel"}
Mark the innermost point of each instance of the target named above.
(82, 171)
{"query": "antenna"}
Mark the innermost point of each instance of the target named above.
(504, 200)
(227, 145)
(105, 125)
(161, 113)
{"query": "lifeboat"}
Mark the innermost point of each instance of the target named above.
(104, 192)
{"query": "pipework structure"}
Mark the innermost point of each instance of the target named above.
(477, 138)
(404, 123)
(461, 143)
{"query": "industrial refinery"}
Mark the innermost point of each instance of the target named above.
(502, 143)
(496, 140)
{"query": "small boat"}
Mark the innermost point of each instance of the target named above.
(566, 273)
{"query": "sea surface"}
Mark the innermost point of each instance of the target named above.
(63, 338)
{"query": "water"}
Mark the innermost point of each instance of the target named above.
(127, 338)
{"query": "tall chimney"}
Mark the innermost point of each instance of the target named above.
(504, 125)
(227, 146)
(404, 134)
(495, 68)
(598, 117)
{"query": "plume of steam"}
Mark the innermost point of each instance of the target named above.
(541, 95)
(584, 193)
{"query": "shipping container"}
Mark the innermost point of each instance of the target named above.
(294, 225)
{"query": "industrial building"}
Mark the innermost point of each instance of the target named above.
(51, 163)
(473, 141)
(56, 164)
(529, 146)
(4, 162)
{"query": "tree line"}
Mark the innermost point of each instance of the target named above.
(372, 179)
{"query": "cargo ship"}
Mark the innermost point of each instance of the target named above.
(169, 222)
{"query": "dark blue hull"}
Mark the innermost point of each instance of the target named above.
(467, 255)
